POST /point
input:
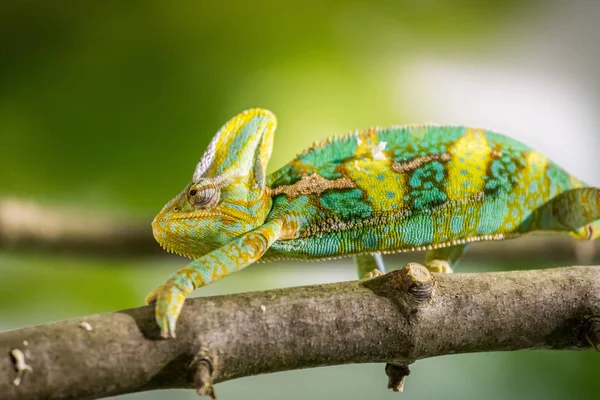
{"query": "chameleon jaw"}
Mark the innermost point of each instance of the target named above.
(169, 241)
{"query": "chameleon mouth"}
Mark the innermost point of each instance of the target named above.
(169, 241)
(172, 237)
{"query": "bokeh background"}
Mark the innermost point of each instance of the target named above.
(107, 106)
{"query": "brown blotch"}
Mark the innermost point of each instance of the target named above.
(312, 184)
(411, 165)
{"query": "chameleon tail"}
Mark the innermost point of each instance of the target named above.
(576, 211)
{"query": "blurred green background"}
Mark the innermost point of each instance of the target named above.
(107, 106)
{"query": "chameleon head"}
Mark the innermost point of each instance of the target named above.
(184, 223)
(227, 196)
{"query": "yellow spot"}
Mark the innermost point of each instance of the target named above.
(380, 183)
(471, 155)
(535, 165)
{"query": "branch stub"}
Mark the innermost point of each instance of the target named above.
(204, 371)
(396, 376)
(417, 281)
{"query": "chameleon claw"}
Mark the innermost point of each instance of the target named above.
(169, 301)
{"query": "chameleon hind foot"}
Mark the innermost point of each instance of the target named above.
(439, 266)
(373, 274)
(442, 259)
(369, 265)
(169, 301)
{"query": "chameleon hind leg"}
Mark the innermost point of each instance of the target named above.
(369, 265)
(442, 260)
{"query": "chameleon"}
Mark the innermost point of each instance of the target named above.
(427, 187)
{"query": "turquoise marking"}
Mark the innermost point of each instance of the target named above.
(407, 144)
(417, 230)
(491, 216)
(329, 172)
(345, 204)
(370, 241)
(235, 151)
(533, 186)
(321, 156)
(559, 181)
(457, 223)
(433, 170)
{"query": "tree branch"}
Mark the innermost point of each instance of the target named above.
(398, 318)
(28, 226)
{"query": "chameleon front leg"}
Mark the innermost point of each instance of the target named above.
(444, 259)
(369, 265)
(221, 262)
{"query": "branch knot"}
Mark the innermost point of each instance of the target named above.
(417, 281)
(396, 376)
(205, 372)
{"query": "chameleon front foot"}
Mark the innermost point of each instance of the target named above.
(169, 301)
(439, 266)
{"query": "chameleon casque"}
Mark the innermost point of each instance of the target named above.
(381, 190)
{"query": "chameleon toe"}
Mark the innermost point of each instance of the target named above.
(169, 302)
(373, 274)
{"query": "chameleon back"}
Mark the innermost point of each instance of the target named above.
(421, 187)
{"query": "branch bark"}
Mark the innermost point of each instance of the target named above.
(398, 318)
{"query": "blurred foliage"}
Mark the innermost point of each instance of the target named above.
(109, 105)
(112, 103)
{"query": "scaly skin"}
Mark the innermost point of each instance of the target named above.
(421, 187)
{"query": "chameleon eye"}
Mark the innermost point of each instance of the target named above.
(205, 195)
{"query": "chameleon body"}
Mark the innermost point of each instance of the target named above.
(380, 190)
